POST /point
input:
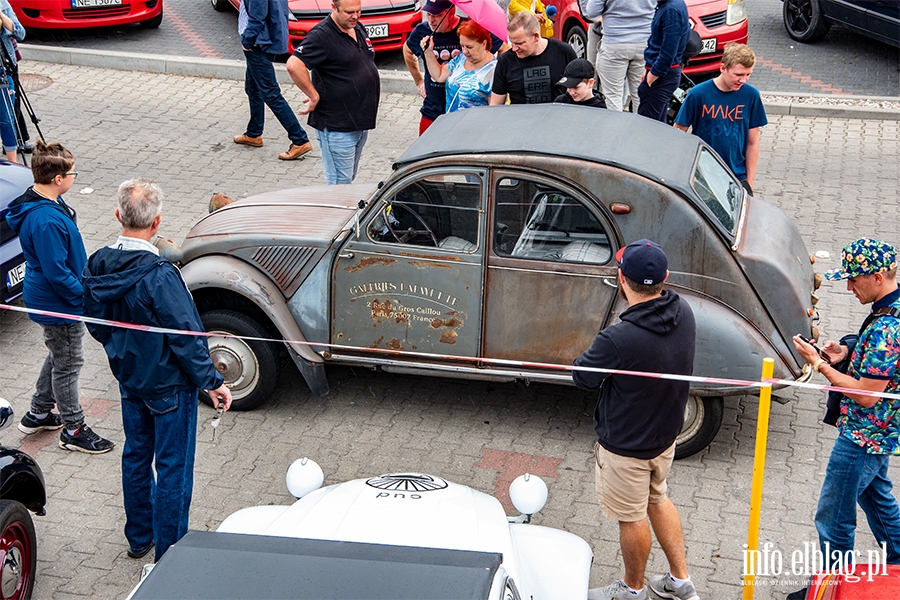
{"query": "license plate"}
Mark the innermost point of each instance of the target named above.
(709, 45)
(373, 31)
(95, 3)
(15, 276)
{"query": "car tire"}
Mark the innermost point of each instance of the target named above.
(221, 5)
(153, 23)
(576, 37)
(702, 419)
(804, 21)
(18, 551)
(250, 367)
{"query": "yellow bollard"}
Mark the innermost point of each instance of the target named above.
(759, 469)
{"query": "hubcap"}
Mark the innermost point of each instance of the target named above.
(577, 44)
(694, 414)
(11, 572)
(236, 362)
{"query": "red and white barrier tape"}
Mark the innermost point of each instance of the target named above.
(493, 361)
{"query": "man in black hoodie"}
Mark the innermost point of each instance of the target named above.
(637, 420)
(159, 373)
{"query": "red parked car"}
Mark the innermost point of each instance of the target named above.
(388, 22)
(717, 21)
(79, 14)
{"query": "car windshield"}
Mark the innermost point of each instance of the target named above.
(718, 190)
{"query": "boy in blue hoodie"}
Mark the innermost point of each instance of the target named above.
(55, 257)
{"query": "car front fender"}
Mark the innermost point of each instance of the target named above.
(225, 272)
(21, 479)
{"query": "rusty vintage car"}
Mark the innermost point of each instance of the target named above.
(493, 240)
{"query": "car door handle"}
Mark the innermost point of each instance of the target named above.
(346, 255)
(611, 282)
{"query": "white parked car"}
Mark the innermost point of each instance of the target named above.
(397, 536)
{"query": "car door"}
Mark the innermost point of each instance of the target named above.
(551, 276)
(413, 279)
(883, 20)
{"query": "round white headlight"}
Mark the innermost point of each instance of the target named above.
(528, 493)
(304, 476)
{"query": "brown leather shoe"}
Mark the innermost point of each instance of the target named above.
(245, 139)
(295, 151)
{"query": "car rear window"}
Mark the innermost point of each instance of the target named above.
(718, 190)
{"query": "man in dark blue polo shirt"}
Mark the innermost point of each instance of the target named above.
(343, 91)
(669, 34)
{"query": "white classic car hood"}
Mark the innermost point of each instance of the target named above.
(401, 509)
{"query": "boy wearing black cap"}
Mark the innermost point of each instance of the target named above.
(578, 79)
(638, 418)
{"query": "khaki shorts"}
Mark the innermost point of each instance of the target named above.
(625, 485)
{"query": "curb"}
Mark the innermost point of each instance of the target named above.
(776, 103)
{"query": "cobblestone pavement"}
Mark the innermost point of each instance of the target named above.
(844, 62)
(837, 179)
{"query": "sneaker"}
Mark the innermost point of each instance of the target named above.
(245, 139)
(616, 591)
(30, 424)
(295, 151)
(664, 587)
(84, 440)
(140, 553)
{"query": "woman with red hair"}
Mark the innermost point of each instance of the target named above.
(468, 75)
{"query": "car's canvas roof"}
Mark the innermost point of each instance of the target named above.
(207, 564)
(635, 143)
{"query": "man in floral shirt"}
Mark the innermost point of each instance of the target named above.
(868, 426)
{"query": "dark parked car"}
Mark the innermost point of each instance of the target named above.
(21, 490)
(810, 20)
(495, 240)
(14, 180)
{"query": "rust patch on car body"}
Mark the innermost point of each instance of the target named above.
(452, 322)
(401, 317)
(382, 310)
(377, 342)
(448, 337)
(395, 344)
(431, 256)
(424, 264)
(370, 261)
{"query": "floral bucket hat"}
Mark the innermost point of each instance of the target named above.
(863, 257)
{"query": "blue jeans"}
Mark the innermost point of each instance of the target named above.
(262, 89)
(654, 100)
(157, 509)
(854, 476)
(340, 154)
(58, 381)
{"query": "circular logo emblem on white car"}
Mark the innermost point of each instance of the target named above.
(407, 482)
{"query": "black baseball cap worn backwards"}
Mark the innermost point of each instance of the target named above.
(643, 262)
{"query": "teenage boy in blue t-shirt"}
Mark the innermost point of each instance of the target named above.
(727, 112)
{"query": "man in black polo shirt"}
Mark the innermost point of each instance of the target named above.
(441, 25)
(344, 89)
(529, 74)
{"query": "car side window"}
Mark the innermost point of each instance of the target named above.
(536, 221)
(718, 189)
(440, 210)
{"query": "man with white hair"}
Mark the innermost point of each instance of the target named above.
(159, 374)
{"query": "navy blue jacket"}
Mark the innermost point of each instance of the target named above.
(54, 253)
(639, 416)
(136, 286)
(669, 34)
(267, 26)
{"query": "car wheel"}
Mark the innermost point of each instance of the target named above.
(153, 23)
(702, 419)
(18, 551)
(250, 367)
(576, 37)
(221, 5)
(804, 21)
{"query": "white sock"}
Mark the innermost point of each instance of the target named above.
(633, 591)
(678, 582)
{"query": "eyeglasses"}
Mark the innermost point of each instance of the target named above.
(74, 174)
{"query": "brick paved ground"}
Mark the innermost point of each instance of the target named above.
(837, 179)
(844, 62)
